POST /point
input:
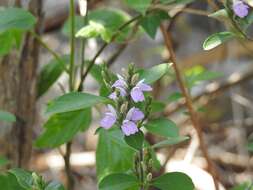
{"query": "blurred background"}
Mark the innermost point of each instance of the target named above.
(219, 81)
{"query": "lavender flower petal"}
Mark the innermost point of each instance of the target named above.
(137, 95)
(241, 9)
(129, 128)
(135, 114)
(113, 96)
(108, 121)
(112, 110)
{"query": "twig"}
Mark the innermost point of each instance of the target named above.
(71, 182)
(80, 87)
(189, 104)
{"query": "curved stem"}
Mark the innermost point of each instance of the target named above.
(92, 62)
(43, 44)
(189, 104)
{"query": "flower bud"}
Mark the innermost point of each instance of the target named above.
(149, 177)
(123, 108)
(135, 79)
(83, 7)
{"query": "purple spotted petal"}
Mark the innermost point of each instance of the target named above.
(134, 114)
(144, 87)
(108, 121)
(137, 95)
(240, 9)
(129, 128)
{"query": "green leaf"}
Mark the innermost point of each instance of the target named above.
(250, 147)
(119, 181)
(139, 5)
(173, 181)
(54, 186)
(3, 161)
(175, 96)
(79, 23)
(154, 73)
(9, 182)
(221, 15)
(6, 42)
(217, 39)
(157, 106)
(112, 154)
(244, 186)
(24, 178)
(135, 141)
(151, 22)
(16, 18)
(170, 141)
(198, 74)
(50, 73)
(62, 127)
(162, 127)
(73, 101)
(7, 116)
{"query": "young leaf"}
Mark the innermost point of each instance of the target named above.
(50, 73)
(139, 5)
(152, 21)
(173, 181)
(62, 127)
(112, 154)
(154, 73)
(16, 18)
(7, 117)
(9, 182)
(135, 141)
(162, 127)
(54, 186)
(170, 141)
(73, 101)
(94, 29)
(244, 186)
(217, 39)
(24, 178)
(119, 181)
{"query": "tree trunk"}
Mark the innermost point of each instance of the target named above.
(18, 77)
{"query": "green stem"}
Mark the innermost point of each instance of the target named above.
(43, 44)
(83, 42)
(72, 45)
(80, 87)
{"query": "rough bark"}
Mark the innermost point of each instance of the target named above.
(18, 76)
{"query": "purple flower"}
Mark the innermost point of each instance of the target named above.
(137, 92)
(240, 8)
(110, 118)
(129, 128)
(134, 114)
(120, 85)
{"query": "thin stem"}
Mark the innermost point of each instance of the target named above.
(189, 104)
(83, 42)
(92, 62)
(70, 179)
(141, 169)
(72, 45)
(43, 44)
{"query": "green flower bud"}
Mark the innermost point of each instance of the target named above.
(123, 108)
(134, 79)
(149, 177)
